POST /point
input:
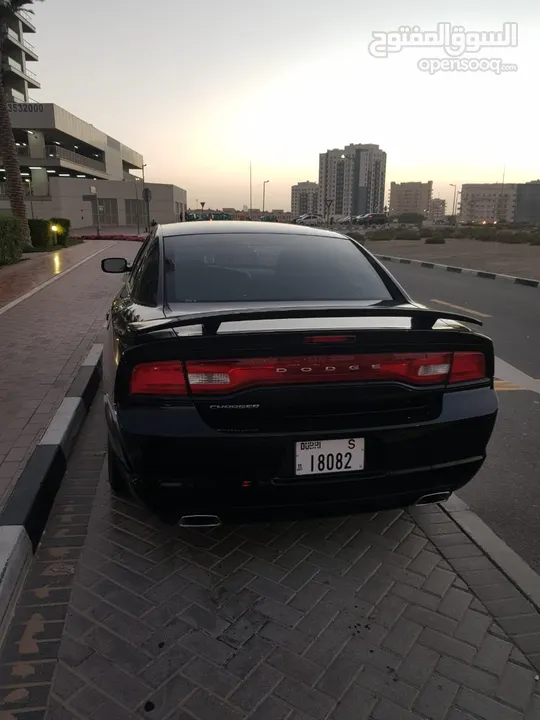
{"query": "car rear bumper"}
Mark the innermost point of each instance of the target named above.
(179, 472)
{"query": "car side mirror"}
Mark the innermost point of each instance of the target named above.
(115, 265)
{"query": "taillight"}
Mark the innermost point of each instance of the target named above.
(159, 378)
(226, 376)
(467, 366)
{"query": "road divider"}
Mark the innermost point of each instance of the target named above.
(460, 270)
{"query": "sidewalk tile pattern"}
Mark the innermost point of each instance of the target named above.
(44, 341)
(389, 616)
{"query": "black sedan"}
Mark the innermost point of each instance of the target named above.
(254, 371)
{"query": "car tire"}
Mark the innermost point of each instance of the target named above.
(117, 481)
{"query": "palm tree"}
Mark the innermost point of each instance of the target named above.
(8, 149)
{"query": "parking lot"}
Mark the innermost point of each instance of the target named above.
(389, 616)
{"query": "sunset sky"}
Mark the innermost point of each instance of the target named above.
(203, 88)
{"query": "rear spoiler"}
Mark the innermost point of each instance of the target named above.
(421, 319)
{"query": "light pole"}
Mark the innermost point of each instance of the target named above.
(250, 190)
(264, 192)
(147, 210)
(454, 203)
(350, 157)
(54, 228)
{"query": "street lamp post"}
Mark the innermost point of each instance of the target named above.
(264, 193)
(454, 203)
(147, 208)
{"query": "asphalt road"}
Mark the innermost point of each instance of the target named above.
(506, 493)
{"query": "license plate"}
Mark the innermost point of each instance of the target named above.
(321, 457)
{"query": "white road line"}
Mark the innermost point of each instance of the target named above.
(507, 372)
(29, 294)
(460, 307)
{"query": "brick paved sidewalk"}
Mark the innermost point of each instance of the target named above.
(43, 341)
(390, 616)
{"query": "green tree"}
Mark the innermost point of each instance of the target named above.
(8, 149)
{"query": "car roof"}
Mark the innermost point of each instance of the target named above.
(222, 227)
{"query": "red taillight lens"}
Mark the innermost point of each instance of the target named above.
(159, 378)
(226, 376)
(467, 366)
(329, 339)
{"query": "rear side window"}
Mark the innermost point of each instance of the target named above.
(268, 267)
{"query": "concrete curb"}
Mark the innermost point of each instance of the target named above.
(463, 271)
(25, 514)
(520, 574)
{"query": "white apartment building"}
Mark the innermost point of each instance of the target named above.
(61, 156)
(487, 202)
(304, 198)
(352, 180)
(18, 52)
(437, 210)
(410, 197)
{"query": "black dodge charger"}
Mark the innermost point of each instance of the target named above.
(255, 370)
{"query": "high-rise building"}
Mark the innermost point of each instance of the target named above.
(436, 209)
(528, 203)
(487, 202)
(18, 53)
(410, 197)
(352, 180)
(304, 198)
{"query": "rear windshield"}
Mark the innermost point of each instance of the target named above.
(261, 267)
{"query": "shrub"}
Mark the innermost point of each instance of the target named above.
(513, 238)
(407, 234)
(40, 233)
(435, 239)
(11, 239)
(64, 226)
(535, 238)
(376, 235)
(426, 232)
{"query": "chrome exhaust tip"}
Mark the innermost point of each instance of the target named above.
(199, 521)
(433, 498)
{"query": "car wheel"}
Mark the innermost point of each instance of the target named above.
(117, 481)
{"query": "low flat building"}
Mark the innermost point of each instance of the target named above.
(410, 197)
(436, 210)
(528, 203)
(109, 203)
(487, 202)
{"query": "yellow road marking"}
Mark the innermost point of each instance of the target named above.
(460, 307)
(505, 385)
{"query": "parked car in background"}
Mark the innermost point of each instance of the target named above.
(310, 220)
(261, 370)
(373, 219)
